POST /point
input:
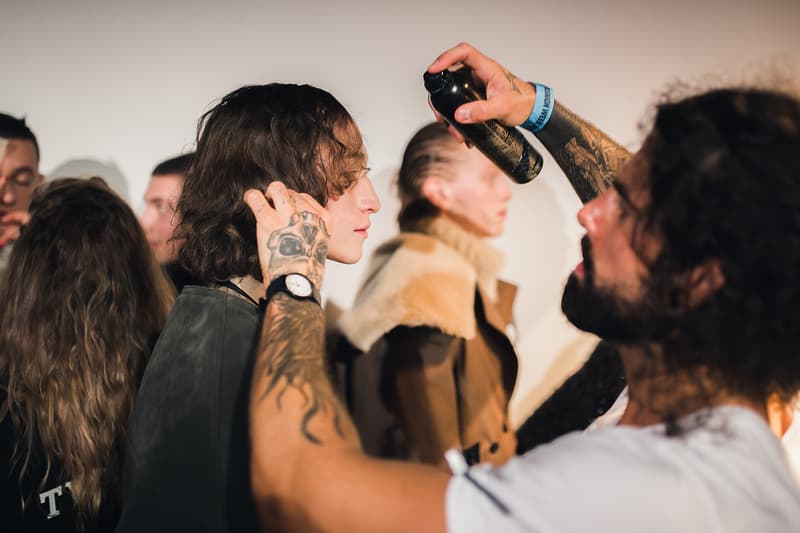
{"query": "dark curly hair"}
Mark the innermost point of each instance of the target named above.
(724, 184)
(298, 134)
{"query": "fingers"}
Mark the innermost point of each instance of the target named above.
(283, 214)
(257, 203)
(457, 134)
(9, 226)
(483, 67)
(462, 52)
(16, 217)
(268, 220)
(306, 202)
(507, 98)
(8, 235)
(440, 118)
(281, 199)
(481, 111)
(278, 204)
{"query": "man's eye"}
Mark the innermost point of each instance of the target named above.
(623, 207)
(290, 246)
(22, 178)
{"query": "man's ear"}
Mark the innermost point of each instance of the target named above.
(704, 280)
(437, 191)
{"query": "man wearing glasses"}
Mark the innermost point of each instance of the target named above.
(19, 176)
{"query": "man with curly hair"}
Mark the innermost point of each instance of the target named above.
(186, 466)
(691, 264)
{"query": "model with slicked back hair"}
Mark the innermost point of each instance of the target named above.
(419, 319)
(429, 152)
(298, 134)
(81, 302)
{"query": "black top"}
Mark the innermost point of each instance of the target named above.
(187, 458)
(179, 276)
(47, 508)
(584, 396)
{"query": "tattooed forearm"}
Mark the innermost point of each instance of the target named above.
(291, 357)
(588, 157)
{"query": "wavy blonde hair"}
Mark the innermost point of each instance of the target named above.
(82, 302)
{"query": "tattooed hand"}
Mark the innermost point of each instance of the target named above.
(290, 366)
(508, 99)
(292, 235)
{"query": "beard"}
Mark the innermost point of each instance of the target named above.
(602, 312)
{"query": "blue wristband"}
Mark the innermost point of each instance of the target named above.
(542, 109)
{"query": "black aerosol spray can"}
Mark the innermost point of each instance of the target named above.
(505, 146)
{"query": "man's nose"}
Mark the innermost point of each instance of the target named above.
(503, 188)
(147, 218)
(588, 215)
(7, 194)
(369, 198)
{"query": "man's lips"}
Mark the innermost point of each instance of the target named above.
(363, 231)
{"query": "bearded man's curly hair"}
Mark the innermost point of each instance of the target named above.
(724, 186)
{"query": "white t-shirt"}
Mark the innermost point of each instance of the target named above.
(725, 473)
(790, 440)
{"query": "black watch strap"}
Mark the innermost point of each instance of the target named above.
(288, 283)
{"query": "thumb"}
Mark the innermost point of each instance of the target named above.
(479, 111)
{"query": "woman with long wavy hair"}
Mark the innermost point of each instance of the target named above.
(81, 304)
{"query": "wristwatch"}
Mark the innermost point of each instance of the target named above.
(295, 285)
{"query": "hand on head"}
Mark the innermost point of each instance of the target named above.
(292, 232)
(508, 99)
(9, 226)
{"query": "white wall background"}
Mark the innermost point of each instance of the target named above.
(121, 84)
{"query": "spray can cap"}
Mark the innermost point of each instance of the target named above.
(435, 82)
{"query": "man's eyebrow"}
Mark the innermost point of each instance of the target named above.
(22, 170)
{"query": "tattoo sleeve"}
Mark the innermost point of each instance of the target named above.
(588, 157)
(291, 357)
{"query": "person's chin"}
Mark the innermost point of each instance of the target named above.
(492, 232)
(604, 314)
(347, 257)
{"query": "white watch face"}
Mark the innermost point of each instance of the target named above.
(299, 285)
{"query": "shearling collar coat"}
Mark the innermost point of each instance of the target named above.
(439, 368)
